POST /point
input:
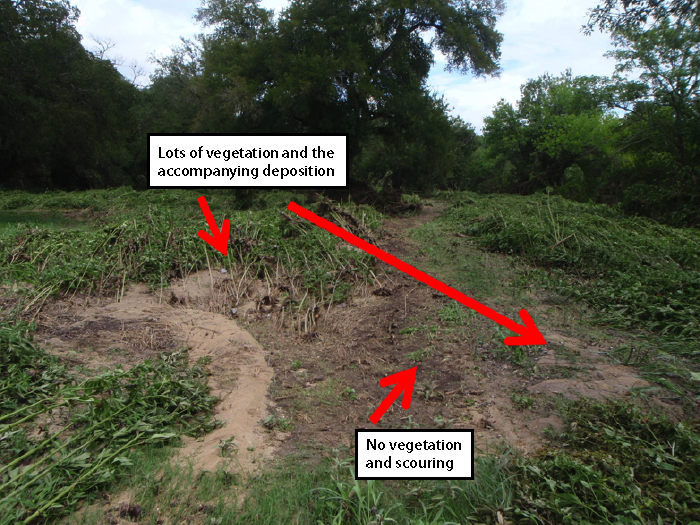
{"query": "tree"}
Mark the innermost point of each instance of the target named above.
(558, 123)
(64, 112)
(657, 46)
(666, 57)
(341, 66)
(625, 15)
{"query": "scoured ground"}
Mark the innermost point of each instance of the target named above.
(327, 380)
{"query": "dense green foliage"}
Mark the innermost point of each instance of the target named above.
(633, 138)
(66, 115)
(617, 464)
(70, 120)
(336, 67)
(559, 135)
(152, 238)
(320, 67)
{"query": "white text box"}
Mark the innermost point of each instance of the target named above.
(414, 454)
(247, 161)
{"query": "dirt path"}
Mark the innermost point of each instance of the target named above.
(327, 381)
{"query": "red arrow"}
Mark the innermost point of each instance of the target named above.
(404, 382)
(529, 334)
(218, 239)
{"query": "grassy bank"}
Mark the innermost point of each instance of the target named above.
(128, 236)
(632, 272)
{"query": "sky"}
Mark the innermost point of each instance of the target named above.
(539, 36)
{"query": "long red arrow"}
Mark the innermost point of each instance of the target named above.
(529, 333)
(218, 239)
(404, 381)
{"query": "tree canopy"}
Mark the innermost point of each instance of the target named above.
(625, 15)
(360, 67)
(343, 66)
(324, 66)
(64, 112)
(633, 138)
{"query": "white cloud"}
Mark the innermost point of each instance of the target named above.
(141, 28)
(138, 29)
(539, 36)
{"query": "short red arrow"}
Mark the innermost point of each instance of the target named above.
(529, 333)
(404, 381)
(219, 239)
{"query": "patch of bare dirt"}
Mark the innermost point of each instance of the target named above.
(142, 326)
(602, 380)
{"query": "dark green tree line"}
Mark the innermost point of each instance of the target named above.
(70, 120)
(359, 67)
(632, 139)
(340, 66)
(662, 124)
(65, 113)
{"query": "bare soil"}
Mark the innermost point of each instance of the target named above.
(327, 378)
(143, 325)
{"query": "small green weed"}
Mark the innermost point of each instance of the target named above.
(349, 393)
(227, 447)
(274, 422)
(419, 355)
(521, 401)
(455, 314)
(428, 390)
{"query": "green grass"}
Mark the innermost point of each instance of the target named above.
(615, 463)
(9, 220)
(643, 470)
(290, 491)
(158, 488)
(419, 355)
(633, 271)
(448, 260)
